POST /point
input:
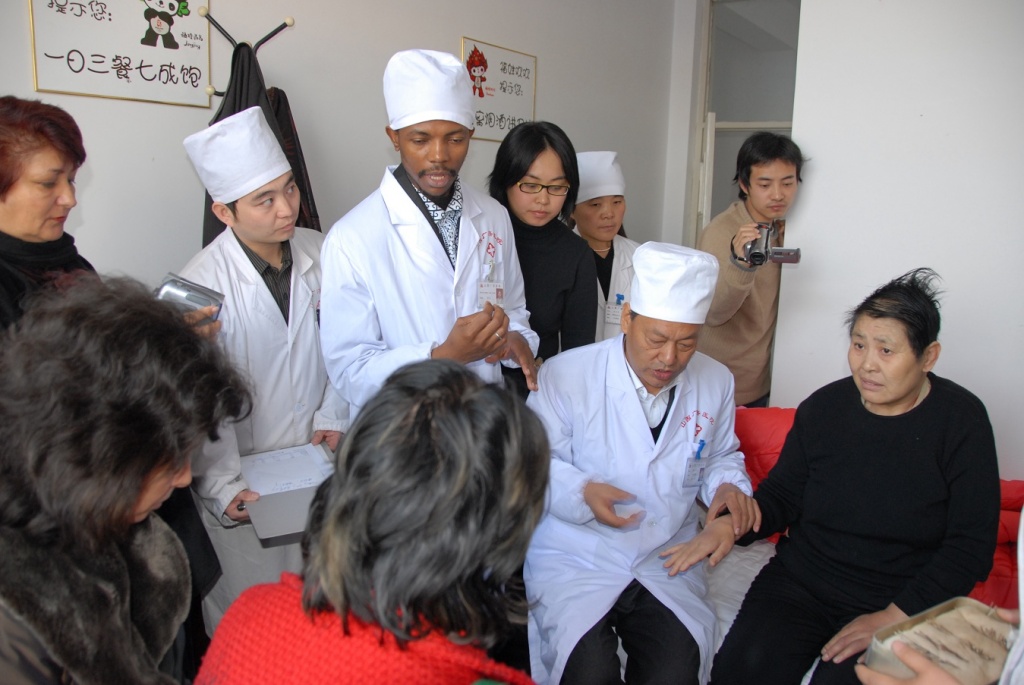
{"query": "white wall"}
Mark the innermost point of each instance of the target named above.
(605, 70)
(910, 113)
(751, 83)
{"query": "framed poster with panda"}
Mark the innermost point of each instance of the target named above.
(149, 50)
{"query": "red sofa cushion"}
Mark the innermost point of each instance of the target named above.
(761, 433)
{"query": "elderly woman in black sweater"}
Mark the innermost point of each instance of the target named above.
(888, 484)
(536, 178)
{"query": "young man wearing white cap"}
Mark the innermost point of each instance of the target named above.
(600, 208)
(426, 266)
(269, 272)
(641, 427)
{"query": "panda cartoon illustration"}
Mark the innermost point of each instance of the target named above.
(160, 14)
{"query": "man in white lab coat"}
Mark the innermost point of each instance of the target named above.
(641, 427)
(269, 273)
(426, 266)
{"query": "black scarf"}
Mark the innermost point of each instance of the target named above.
(28, 267)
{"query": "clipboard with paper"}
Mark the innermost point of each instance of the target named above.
(286, 480)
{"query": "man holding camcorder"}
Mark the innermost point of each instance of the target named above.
(747, 241)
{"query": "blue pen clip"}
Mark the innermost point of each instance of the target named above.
(619, 297)
(700, 448)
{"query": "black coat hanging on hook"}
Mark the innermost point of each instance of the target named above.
(246, 89)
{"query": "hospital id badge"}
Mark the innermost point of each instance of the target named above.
(613, 314)
(490, 291)
(694, 473)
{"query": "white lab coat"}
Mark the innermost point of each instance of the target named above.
(292, 398)
(576, 567)
(390, 294)
(620, 283)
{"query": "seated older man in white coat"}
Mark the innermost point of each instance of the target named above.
(641, 427)
(426, 266)
(269, 273)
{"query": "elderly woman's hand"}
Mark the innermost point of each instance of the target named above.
(712, 543)
(856, 635)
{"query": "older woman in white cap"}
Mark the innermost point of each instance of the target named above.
(269, 272)
(600, 207)
(426, 266)
(641, 427)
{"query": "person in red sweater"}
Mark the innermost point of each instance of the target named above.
(411, 548)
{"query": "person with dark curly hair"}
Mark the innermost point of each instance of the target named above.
(105, 394)
(41, 150)
(410, 549)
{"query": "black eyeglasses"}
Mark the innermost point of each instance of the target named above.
(534, 188)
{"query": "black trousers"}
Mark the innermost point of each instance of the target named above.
(778, 633)
(659, 648)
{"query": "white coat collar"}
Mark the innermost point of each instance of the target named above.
(257, 295)
(403, 212)
(620, 380)
(622, 253)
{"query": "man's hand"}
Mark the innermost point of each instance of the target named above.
(744, 235)
(332, 438)
(926, 672)
(236, 510)
(518, 349)
(601, 498)
(475, 336)
(715, 541)
(856, 635)
(208, 330)
(746, 514)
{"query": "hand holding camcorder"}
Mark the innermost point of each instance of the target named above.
(760, 250)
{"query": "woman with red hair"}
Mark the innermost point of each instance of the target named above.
(40, 153)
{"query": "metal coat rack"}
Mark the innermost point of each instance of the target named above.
(205, 12)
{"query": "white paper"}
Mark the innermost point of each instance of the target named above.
(286, 469)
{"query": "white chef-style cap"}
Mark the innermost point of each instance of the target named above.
(600, 175)
(425, 85)
(237, 155)
(673, 283)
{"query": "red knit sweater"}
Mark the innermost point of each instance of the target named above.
(266, 637)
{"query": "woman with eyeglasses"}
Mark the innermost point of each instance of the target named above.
(536, 178)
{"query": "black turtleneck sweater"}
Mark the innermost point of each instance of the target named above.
(561, 285)
(881, 509)
(27, 267)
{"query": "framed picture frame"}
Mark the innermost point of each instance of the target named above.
(504, 87)
(144, 50)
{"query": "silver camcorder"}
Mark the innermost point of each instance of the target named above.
(189, 296)
(760, 250)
